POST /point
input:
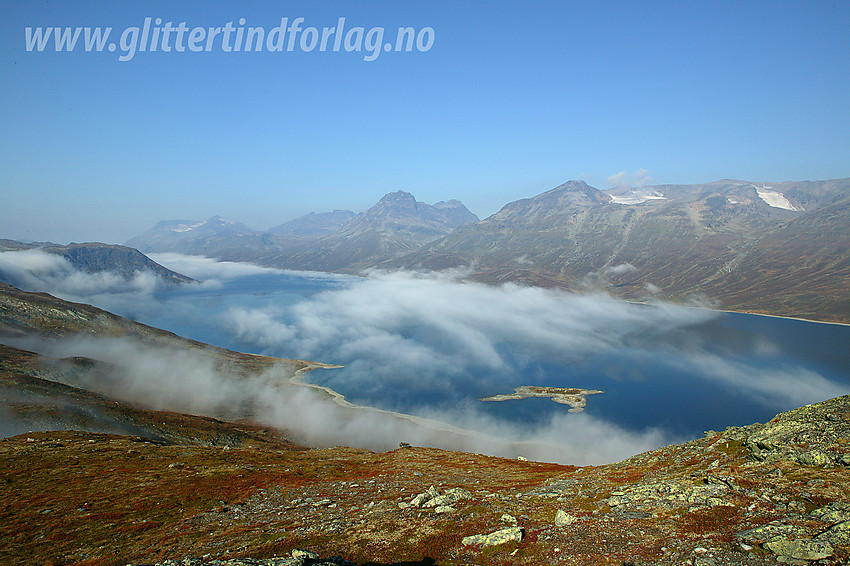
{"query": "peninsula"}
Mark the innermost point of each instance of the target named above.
(575, 398)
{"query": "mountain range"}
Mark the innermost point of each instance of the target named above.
(773, 248)
(776, 248)
(335, 241)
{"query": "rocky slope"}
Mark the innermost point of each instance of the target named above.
(778, 248)
(762, 494)
(313, 224)
(397, 224)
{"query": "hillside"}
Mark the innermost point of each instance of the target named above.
(748, 496)
(35, 396)
(96, 257)
(95, 394)
(778, 248)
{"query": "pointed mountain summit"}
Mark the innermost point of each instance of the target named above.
(564, 199)
(395, 225)
(401, 199)
(330, 241)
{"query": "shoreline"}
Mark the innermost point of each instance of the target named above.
(781, 316)
(727, 311)
(314, 274)
(298, 378)
(441, 435)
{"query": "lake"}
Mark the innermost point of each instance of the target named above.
(433, 346)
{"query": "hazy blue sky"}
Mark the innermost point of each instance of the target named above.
(510, 100)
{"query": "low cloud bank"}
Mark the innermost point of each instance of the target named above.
(165, 378)
(433, 324)
(40, 271)
(210, 271)
(430, 333)
(783, 387)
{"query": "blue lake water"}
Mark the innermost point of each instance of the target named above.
(431, 347)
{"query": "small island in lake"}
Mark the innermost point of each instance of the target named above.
(575, 398)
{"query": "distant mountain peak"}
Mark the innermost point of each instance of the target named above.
(399, 198)
(571, 195)
(398, 194)
(583, 190)
(403, 206)
(573, 185)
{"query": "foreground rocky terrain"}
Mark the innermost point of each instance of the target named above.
(762, 494)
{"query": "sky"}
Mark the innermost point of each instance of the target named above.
(498, 101)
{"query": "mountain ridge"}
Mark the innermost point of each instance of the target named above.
(715, 241)
(94, 257)
(397, 223)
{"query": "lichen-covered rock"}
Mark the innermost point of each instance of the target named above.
(837, 534)
(562, 518)
(428, 495)
(450, 497)
(832, 513)
(433, 498)
(770, 532)
(304, 554)
(801, 549)
(812, 435)
(495, 538)
(669, 494)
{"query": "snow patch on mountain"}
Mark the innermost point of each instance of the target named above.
(774, 198)
(636, 196)
(186, 227)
